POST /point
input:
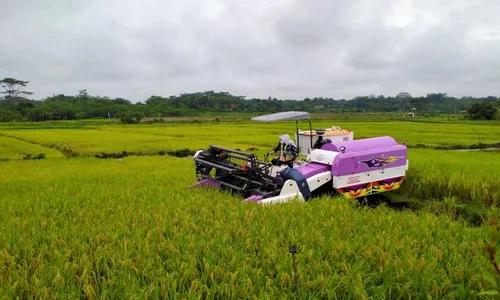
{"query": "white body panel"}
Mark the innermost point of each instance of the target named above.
(360, 178)
(290, 187)
(289, 192)
(318, 180)
(322, 156)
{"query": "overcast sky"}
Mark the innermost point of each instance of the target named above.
(280, 48)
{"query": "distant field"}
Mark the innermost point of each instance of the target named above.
(225, 117)
(265, 134)
(15, 149)
(430, 134)
(150, 139)
(336, 116)
(91, 142)
(413, 133)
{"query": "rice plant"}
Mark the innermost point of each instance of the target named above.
(85, 227)
(11, 148)
(82, 227)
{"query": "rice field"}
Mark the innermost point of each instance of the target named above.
(91, 142)
(471, 177)
(11, 148)
(150, 139)
(75, 226)
(118, 229)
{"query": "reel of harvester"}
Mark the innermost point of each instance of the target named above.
(237, 171)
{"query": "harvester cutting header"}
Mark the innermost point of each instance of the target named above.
(334, 160)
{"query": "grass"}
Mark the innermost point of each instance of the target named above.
(412, 133)
(470, 177)
(81, 227)
(118, 229)
(150, 139)
(92, 142)
(11, 148)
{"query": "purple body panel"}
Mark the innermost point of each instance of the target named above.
(365, 161)
(361, 144)
(254, 198)
(312, 169)
(366, 155)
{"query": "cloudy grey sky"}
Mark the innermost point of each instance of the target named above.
(257, 48)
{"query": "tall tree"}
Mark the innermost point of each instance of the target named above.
(13, 87)
(482, 111)
(403, 95)
(421, 104)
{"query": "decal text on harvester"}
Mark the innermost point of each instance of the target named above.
(353, 179)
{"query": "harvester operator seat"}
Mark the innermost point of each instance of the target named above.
(321, 141)
(286, 152)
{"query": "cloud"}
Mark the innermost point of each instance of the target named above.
(284, 49)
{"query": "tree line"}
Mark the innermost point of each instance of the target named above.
(16, 106)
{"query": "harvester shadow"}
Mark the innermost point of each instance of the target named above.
(470, 216)
(391, 200)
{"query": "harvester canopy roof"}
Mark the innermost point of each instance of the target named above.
(283, 116)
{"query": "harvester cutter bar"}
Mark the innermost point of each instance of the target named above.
(222, 183)
(237, 188)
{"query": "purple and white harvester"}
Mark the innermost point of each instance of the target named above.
(333, 161)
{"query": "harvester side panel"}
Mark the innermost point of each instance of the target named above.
(370, 160)
(362, 184)
(368, 166)
(366, 177)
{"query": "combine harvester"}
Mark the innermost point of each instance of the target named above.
(334, 161)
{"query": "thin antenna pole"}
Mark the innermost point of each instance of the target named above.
(293, 250)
